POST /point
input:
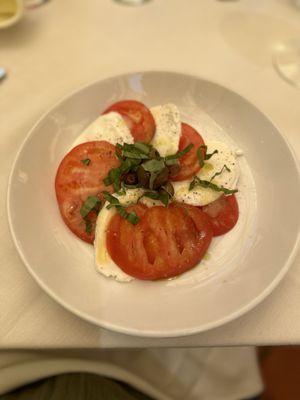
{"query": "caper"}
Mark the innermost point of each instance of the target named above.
(161, 178)
(174, 169)
(167, 188)
(143, 177)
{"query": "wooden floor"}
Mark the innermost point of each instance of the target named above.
(280, 368)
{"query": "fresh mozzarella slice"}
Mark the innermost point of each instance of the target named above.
(110, 127)
(168, 129)
(104, 263)
(201, 196)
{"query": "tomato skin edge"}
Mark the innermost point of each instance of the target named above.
(189, 163)
(142, 128)
(70, 194)
(223, 217)
(134, 259)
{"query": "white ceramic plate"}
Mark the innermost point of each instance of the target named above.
(244, 266)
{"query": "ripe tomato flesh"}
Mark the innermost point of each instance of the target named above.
(223, 214)
(75, 181)
(166, 241)
(138, 118)
(189, 163)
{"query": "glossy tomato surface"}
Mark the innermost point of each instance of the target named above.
(189, 163)
(79, 175)
(166, 242)
(138, 118)
(223, 214)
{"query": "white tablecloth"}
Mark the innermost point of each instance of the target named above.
(164, 374)
(67, 43)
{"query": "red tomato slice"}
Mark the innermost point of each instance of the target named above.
(75, 181)
(223, 214)
(166, 241)
(189, 163)
(138, 118)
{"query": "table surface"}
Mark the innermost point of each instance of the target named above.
(68, 43)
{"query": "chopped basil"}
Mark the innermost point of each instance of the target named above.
(111, 199)
(153, 165)
(134, 155)
(135, 152)
(200, 156)
(86, 161)
(122, 212)
(88, 226)
(208, 184)
(144, 161)
(163, 197)
(113, 178)
(208, 156)
(153, 176)
(180, 153)
(132, 218)
(220, 172)
(118, 155)
(171, 162)
(107, 181)
(122, 191)
(90, 204)
(143, 147)
(151, 195)
(114, 202)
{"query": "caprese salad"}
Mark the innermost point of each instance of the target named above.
(146, 190)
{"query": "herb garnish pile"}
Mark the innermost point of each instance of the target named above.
(141, 166)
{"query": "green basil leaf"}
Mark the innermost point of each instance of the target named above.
(86, 161)
(90, 203)
(111, 199)
(143, 147)
(134, 155)
(151, 195)
(200, 156)
(132, 218)
(180, 153)
(113, 177)
(208, 156)
(164, 198)
(107, 181)
(122, 191)
(88, 226)
(133, 151)
(119, 156)
(114, 202)
(207, 184)
(220, 172)
(121, 210)
(171, 162)
(125, 166)
(153, 165)
(153, 176)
